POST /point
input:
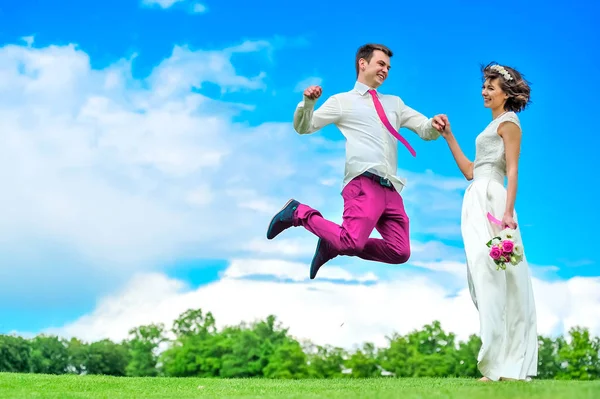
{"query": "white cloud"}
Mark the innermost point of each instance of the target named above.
(447, 231)
(194, 7)
(435, 251)
(199, 8)
(111, 160)
(161, 3)
(455, 268)
(317, 309)
(28, 40)
(283, 247)
(108, 174)
(288, 270)
(186, 69)
(310, 81)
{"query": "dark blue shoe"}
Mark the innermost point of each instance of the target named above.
(283, 219)
(323, 254)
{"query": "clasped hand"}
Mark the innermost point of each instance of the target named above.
(508, 221)
(441, 124)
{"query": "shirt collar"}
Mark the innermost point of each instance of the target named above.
(362, 88)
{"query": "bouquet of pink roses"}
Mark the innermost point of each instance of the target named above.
(504, 250)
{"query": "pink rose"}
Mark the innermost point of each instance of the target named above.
(507, 246)
(495, 253)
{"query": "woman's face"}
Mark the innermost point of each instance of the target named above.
(493, 96)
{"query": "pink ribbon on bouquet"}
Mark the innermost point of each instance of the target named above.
(494, 220)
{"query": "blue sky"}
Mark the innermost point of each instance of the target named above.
(142, 153)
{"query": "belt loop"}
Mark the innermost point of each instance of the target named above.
(385, 182)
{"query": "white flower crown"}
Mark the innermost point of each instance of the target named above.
(502, 71)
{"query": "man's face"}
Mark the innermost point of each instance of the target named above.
(375, 71)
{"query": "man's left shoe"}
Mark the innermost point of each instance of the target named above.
(283, 219)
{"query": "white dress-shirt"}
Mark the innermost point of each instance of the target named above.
(370, 147)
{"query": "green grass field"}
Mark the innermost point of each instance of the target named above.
(64, 387)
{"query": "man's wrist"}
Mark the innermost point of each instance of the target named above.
(309, 101)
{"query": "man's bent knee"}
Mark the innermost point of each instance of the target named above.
(400, 257)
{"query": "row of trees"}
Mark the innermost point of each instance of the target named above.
(265, 349)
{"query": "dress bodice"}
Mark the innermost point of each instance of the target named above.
(490, 159)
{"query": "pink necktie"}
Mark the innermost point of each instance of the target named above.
(387, 123)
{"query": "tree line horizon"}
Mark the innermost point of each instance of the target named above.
(265, 349)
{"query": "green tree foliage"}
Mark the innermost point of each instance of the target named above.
(108, 358)
(78, 353)
(197, 349)
(549, 359)
(579, 357)
(15, 354)
(49, 355)
(143, 350)
(194, 346)
(324, 361)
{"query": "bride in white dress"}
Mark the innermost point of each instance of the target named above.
(503, 298)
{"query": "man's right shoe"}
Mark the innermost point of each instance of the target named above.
(283, 219)
(323, 254)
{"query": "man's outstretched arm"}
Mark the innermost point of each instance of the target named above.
(426, 128)
(307, 120)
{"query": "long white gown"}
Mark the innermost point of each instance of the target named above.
(503, 298)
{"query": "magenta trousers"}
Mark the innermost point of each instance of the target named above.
(367, 205)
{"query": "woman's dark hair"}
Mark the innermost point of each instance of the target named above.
(512, 82)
